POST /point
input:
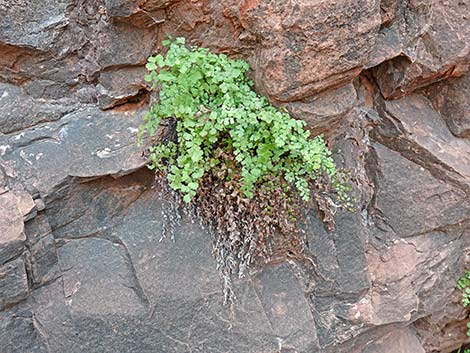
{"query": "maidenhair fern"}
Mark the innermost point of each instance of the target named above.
(245, 167)
(214, 105)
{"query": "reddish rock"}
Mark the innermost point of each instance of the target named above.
(142, 13)
(307, 46)
(425, 42)
(324, 111)
(452, 99)
(386, 270)
(451, 324)
(397, 341)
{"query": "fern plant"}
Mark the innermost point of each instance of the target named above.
(464, 285)
(244, 166)
(214, 104)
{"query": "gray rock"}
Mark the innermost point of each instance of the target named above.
(451, 320)
(12, 237)
(83, 209)
(166, 293)
(397, 341)
(20, 111)
(58, 332)
(37, 228)
(117, 87)
(88, 270)
(147, 14)
(412, 127)
(99, 281)
(340, 272)
(86, 143)
(20, 331)
(41, 255)
(42, 263)
(410, 201)
(13, 283)
(34, 24)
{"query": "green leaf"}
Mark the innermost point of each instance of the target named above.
(159, 60)
(165, 75)
(215, 121)
(151, 66)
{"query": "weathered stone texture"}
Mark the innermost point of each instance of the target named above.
(12, 237)
(82, 265)
(452, 99)
(13, 283)
(423, 42)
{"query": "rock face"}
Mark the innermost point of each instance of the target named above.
(82, 265)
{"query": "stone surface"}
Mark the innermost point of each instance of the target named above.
(410, 201)
(35, 24)
(307, 47)
(25, 204)
(422, 42)
(118, 87)
(20, 110)
(452, 99)
(403, 272)
(324, 111)
(12, 237)
(450, 322)
(85, 143)
(412, 127)
(131, 44)
(140, 13)
(397, 341)
(83, 267)
(42, 262)
(13, 283)
(19, 330)
(123, 279)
